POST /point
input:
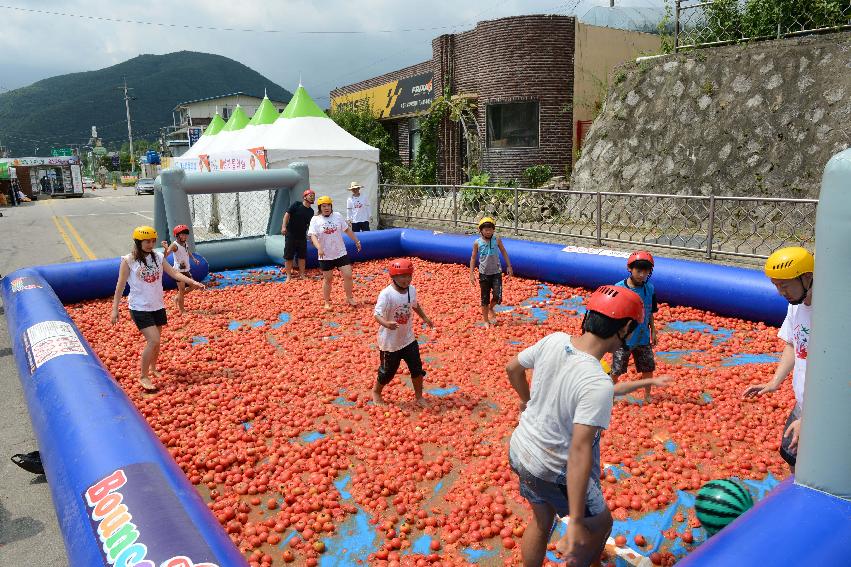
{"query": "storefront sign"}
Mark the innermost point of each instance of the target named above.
(404, 97)
(31, 161)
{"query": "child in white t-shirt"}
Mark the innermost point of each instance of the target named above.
(396, 340)
(143, 270)
(357, 209)
(180, 258)
(326, 233)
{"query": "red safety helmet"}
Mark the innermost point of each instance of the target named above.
(308, 192)
(617, 303)
(180, 228)
(401, 267)
(638, 256)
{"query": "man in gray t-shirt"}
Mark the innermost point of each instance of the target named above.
(555, 449)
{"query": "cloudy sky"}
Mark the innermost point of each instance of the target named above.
(288, 38)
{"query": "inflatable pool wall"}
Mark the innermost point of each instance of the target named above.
(100, 454)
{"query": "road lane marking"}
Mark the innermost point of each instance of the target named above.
(107, 214)
(83, 246)
(67, 240)
(143, 216)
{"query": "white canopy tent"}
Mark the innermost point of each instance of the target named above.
(303, 133)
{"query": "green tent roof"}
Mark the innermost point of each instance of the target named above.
(215, 126)
(266, 113)
(238, 120)
(302, 105)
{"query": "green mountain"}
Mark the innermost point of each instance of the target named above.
(61, 110)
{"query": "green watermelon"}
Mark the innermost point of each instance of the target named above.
(719, 502)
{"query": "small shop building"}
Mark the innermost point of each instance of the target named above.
(535, 82)
(59, 176)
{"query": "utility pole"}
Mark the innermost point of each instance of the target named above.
(127, 99)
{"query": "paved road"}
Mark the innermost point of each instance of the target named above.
(46, 232)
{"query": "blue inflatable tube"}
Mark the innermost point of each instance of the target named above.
(80, 281)
(793, 525)
(109, 475)
(734, 292)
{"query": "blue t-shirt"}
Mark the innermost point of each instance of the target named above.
(641, 335)
(489, 263)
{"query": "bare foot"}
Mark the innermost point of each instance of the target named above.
(377, 399)
(328, 307)
(422, 402)
(493, 315)
(147, 385)
(353, 302)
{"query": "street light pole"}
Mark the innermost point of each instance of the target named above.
(129, 127)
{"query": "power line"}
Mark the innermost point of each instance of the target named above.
(212, 28)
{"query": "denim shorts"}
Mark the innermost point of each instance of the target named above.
(538, 491)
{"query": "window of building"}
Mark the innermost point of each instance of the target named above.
(414, 138)
(513, 125)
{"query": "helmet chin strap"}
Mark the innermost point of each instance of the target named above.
(801, 299)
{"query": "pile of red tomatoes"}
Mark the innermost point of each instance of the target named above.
(265, 418)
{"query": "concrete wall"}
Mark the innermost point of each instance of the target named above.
(759, 119)
(597, 52)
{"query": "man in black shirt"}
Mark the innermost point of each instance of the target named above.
(294, 228)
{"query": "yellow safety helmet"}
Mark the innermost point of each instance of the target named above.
(789, 263)
(486, 220)
(606, 366)
(324, 200)
(144, 233)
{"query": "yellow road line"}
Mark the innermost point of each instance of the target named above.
(67, 240)
(83, 246)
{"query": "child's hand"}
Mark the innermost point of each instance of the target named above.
(472, 278)
(165, 245)
(509, 272)
(321, 253)
(113, 319)
(197, 285)
(392, 325)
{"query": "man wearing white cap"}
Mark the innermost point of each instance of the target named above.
(357, 209)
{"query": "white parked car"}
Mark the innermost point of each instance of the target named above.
(145, 186)
(88, 183)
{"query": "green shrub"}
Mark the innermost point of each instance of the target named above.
(537, 175)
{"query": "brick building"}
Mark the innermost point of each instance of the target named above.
(535, 81)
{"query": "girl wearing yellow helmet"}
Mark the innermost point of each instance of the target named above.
(142, 269)
(326, 232)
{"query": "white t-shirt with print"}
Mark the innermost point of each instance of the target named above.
(395, 306)
(796, 331)
(146, 283)
(180, 258)
(329, 231)
(568, 386)
(357, 209)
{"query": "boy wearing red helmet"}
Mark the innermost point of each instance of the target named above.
(180, 260)
(640, 344)
(396, 340)
(555, 449)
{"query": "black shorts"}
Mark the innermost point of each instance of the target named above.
(789, 455)
(328, 265)
(295, 247)
(390, 363)
(491, 283)
(642, 355)
(145, 319)
(360, 226)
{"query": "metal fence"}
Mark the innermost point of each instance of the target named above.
(717, 22)
(230, 215)
(713, 227)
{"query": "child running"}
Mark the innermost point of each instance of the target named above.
(143, 269)
(486, 249)
(181, 259)
(555, 449)
(641, 342)
(396, 340)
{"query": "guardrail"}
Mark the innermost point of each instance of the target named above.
(713, 226)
